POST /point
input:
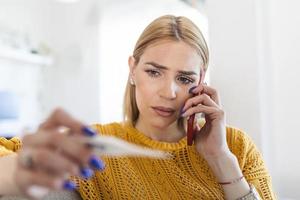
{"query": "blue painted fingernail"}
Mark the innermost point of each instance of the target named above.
(181, 110)
(69, 185)
(96, 163)
(88, 131)
(191, 89)
(86, 173)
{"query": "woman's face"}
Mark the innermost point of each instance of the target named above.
(163, 76)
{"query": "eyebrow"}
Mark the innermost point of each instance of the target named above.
(156, 65)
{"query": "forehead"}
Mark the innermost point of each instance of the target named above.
(174, 55)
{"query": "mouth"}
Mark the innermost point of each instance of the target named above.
(163, 111)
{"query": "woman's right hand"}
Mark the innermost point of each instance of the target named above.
(48, 157)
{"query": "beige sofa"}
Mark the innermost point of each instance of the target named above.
(62, 195)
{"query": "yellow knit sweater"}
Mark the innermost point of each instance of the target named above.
(9, 146)
(185, 176)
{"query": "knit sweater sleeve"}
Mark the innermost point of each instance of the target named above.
(251, 162)
(9, 146)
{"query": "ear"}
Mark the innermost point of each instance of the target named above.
(131, 64)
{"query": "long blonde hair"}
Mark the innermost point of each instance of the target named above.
(167, 27)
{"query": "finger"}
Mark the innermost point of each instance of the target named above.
(54, 163)
(59, 165)
(37, 192)
(59, 118)
(198, 128)
(213, 93)
(195, 90)
(71, 146)
(213, 112)
(28, 177)
(199, 99)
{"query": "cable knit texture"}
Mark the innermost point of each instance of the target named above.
(185, 176)
(9, 146)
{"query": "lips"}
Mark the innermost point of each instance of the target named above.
(163, 111)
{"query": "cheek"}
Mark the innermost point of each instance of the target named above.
(145, 87)
(183, 96)
(144, 92)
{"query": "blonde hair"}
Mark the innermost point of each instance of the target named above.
(167, 27)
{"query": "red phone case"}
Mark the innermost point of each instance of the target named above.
(190, 129)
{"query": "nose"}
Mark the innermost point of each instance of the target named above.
(169, 90)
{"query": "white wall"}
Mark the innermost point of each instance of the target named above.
(254, 46)
(285, 48)
(24, 81)
(22, 78)
(71, 30)
(73, 82)
(234, 63)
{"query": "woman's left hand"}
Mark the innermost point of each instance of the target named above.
(210, 140)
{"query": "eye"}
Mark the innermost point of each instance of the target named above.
(152, 73)
(185, 80)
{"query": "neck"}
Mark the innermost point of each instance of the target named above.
(171, 133)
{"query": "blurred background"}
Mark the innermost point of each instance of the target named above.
(73, 54)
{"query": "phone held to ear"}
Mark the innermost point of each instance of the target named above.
(191, 131)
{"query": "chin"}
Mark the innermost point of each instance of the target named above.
(162, 123)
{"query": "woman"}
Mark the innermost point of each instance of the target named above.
(161, 93)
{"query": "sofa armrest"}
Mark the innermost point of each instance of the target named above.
(57, 195)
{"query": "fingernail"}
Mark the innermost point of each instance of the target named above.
(205, 83)
(58, 184)
(37, 192)
(74, 170)
(191, 89)
(181, 110)
(96, 163)
(88, 131)
(86, 173)
(69, 185)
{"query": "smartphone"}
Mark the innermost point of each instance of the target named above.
(191, 133)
